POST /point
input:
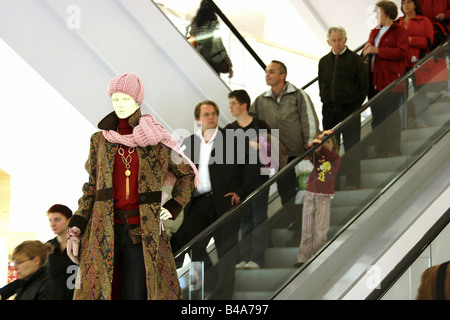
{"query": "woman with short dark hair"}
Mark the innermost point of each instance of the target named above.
(61, 269)
(420, 36)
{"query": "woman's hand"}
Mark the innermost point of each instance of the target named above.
(369, 49)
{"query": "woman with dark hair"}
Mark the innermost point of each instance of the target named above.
(208, 42)
(419, 29)
(386, 50)
(420, 35)
(61, 269)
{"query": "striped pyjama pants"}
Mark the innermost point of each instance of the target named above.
(315, 224)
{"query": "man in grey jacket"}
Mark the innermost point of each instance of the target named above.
(291, 111)
(288, 109)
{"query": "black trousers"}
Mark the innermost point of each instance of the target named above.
(332, 115)
(386, 123)
(219, 279)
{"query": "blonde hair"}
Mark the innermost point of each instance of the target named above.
(34, 248)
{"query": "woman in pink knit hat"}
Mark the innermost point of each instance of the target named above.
(116, 235)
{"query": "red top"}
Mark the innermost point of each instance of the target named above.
(419, 29)
(391, 58)
(431, 9)
(326, 165)
(119, 178)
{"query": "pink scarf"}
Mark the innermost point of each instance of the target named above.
(150, 132)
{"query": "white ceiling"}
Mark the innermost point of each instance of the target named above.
(356, 16)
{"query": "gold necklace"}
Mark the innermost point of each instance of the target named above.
(126, 161)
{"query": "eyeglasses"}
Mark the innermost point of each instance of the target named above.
(17, 263)
(207, 115)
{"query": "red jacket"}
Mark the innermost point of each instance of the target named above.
(390, 61)
(430, 9)
(419, 29)
(434, 71)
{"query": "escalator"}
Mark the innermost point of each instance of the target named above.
(177, 64)
(397, 195)
(276, 279)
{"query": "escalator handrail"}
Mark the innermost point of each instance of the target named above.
(392, 85)
(395, 274)
(290, 166)
(237, 34)
(408, 74)
(241, 39)
(317, 78)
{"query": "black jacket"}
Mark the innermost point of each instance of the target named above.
(343, 81)
(62, 271)
(226, 174)
(38, 287)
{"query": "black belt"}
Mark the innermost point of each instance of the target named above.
(123, 215)
(206, 194)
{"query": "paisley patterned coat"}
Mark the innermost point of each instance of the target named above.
(96, 213)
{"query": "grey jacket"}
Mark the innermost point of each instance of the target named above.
(294, 116)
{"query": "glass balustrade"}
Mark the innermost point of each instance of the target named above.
(286, 241)
(249, 53)
(271, 227)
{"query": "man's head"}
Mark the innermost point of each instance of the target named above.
(337, 39)
(239, 102)
(276, 73)
(207, 113)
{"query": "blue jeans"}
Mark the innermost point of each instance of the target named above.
(129, 258)
(254, 227)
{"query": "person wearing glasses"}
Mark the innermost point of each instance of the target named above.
(30, 261)
(224, 183)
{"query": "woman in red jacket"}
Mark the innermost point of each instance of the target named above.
(437, 11)
(420, 34)
(386, 50)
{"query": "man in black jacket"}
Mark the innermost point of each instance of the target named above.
(224, 183)
(343, 83)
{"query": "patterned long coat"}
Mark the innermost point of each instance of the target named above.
(96, 213)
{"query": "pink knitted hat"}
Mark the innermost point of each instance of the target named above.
(128, 83)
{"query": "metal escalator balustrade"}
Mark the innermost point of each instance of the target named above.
(377, 175)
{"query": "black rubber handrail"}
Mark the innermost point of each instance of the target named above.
(290, 166)
(249, 48)
(410, 257)
(237, 34)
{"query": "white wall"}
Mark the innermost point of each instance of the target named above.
(45, 143)
(57, 57)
